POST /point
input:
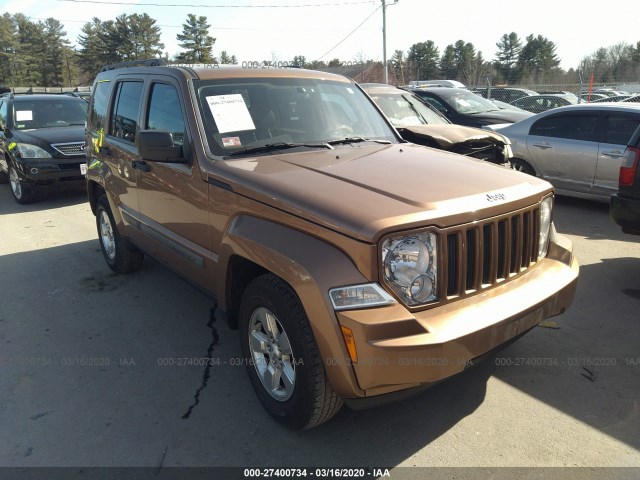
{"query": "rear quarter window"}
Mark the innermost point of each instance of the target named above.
(620, 128)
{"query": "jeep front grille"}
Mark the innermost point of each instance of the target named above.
(69, 149)
(485, 253)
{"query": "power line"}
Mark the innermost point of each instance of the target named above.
(213, 27)
(352, 32)
(148, 4)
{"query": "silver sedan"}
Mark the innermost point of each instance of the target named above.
(577, 148)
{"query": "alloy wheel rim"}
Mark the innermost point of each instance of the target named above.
(16, 188)
(271, 354)
(106, 236)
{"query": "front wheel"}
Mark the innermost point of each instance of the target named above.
(281, 355)
(119, 255)
(522, 166)
(21, 190)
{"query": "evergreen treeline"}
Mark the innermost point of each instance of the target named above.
(39, 54)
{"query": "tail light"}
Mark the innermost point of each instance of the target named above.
(629, 166)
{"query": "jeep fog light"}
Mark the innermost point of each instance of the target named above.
(410, 267)
(359, 296)
(545, 225)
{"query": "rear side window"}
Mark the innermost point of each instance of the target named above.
(165, 112)
(98, 111)
(573, 127)
(620, 128)
(3, 113)
(126, 108)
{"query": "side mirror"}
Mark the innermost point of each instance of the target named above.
(157, 146)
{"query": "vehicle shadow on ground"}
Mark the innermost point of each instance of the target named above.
(586, 218)
(128, 413)
(47, 199)
(132, 411)
(590, 351)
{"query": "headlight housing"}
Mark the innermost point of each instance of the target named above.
(546, 207)
(31, 151)
(410, 267)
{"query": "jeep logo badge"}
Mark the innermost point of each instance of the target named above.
(494, 197)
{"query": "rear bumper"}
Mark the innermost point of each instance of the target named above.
(399, 350)
(625, 212)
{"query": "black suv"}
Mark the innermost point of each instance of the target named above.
(41, 142)
(624, 207)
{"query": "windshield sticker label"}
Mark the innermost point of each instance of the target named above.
(228, 142)
(230, 113)
(24, 115)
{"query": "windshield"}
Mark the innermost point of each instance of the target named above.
(469, 103)
(30, 114)
(405, 110)
(247, 113)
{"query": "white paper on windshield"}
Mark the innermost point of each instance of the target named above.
(24, 115)
(230, 113)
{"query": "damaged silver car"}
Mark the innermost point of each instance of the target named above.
(419, 123)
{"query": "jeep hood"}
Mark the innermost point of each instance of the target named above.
(365, 190)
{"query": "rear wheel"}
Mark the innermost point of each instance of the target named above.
(522, 166)
(118, 253)
(281, 355)
(21, 190)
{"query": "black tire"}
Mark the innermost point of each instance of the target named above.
(120, 255)
(310, 400)
(522, 166)
(22, 191)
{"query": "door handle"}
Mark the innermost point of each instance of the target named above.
(542, 145)
(141, 165)
(614, 154)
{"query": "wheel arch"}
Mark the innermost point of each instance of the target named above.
(310, 266)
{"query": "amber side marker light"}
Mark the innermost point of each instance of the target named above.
(350, 342)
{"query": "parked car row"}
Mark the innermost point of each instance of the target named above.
(585, 150)
(418, 122)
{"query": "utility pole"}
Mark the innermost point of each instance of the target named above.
(384, 39)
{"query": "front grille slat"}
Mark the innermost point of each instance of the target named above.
(485, 253)
(69, 149)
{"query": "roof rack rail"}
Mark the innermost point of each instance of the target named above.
(154, 62)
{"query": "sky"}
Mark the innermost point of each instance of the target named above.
(351, 30)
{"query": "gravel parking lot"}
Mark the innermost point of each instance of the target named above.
(100, 370)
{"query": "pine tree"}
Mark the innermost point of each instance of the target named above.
(195, 39)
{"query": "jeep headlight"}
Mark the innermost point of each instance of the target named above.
(31, 151)
(410, 267)
(545, 226)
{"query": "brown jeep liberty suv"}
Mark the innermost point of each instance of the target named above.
(356, 266)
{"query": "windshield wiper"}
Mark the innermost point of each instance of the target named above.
(277, 146)
(357, 140)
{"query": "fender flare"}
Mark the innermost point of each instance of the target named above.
(311, 267)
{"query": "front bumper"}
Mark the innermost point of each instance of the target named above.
(398, 350)
(625, 212)
(50, 170)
